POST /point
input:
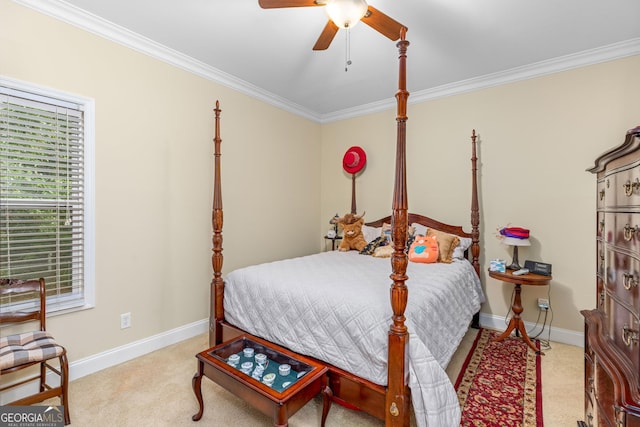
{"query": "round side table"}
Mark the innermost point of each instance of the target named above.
(516, 323)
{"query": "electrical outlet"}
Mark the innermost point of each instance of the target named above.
(125, 320)
(543, 303)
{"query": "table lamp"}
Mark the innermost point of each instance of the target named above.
(515, 242)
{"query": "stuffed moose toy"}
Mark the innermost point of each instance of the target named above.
(352, 227)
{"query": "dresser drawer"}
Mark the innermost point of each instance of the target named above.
(622, 188)
(623, 275)
(601, 187)
(622, 230)
(632, 420)
(622, 328)
(605, 400)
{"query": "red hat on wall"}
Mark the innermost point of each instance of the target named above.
(354, 160)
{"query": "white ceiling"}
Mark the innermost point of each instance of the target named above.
(456, 45)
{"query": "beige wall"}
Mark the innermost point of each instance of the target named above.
(536, 138)
(154, 164)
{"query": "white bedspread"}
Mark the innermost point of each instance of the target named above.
(335, 306)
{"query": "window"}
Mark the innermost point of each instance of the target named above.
(46, 192)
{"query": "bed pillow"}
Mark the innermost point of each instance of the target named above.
(373, 245)
(370, 233)
(419, 228)
(385, 231)
(446, 244)
(458, 251)
(424, 249)
(383, 251)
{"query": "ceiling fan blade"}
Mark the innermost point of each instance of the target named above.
(382, 23)
(272, 4)
(327, 35)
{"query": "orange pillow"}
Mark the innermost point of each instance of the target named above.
(446, 244)
(424, 249)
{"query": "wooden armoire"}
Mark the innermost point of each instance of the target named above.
(612, 329)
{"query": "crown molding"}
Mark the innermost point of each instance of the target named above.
(555, 65)
(610, 52)
(94, 24)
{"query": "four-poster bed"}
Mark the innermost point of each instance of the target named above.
(369, 369)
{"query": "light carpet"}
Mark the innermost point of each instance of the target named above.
(155, 390)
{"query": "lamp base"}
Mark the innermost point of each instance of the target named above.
(515, 265)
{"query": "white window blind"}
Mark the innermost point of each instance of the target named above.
(43, 215)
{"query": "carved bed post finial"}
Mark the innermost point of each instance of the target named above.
(217, 285)
(475, 210)
(397, 398)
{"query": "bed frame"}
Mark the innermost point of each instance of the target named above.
(391, 403)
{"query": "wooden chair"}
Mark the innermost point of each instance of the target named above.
(28, 349)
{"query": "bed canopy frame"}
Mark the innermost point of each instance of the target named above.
(391, 402)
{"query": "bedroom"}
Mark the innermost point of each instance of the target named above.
(153, 178)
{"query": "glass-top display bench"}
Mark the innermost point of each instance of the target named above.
(271, 378)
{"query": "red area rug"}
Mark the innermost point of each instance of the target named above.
(500, 384)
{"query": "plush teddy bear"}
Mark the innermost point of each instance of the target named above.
(352, 239)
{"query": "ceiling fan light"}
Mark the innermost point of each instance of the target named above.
(346, 13)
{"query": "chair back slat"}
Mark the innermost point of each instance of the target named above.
(19, 286)
(19, 316)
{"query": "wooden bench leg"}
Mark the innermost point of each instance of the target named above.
(281, 416)
(196, 383)
(327, 399)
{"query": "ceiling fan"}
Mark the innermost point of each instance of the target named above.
(343, 14)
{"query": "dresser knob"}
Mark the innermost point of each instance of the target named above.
(628, 281)
(628, 232)
(602, 194)
(629, 336)
(630, 186)
(601, 224)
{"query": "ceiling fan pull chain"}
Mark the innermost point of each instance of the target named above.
(348, 50)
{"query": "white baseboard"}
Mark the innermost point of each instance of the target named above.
(115, 356)
(106, 359)
(564, 336)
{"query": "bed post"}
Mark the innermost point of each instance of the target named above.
(216, 309)
(475, 210)
(475, 219)
(397, 398)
